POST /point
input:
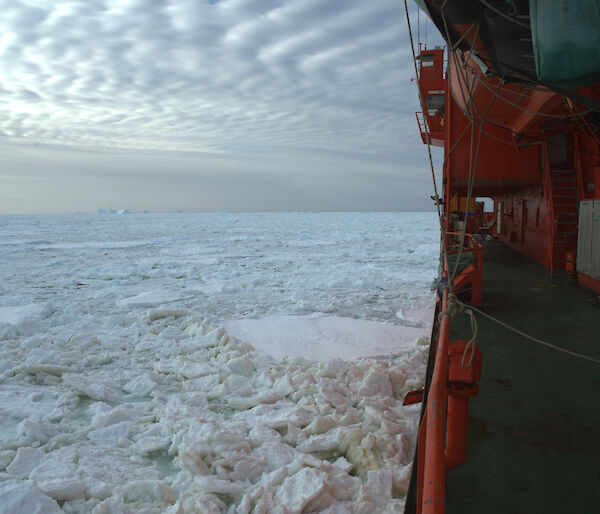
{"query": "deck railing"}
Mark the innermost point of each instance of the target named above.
(470, 244)
(443, 429)
(432, 122)
(422, 122)
(466, 248)
(432, 465)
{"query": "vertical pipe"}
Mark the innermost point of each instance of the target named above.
(456, 431)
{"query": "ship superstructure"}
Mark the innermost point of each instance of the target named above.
(514, 101)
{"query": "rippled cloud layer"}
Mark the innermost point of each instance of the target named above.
(237, 91)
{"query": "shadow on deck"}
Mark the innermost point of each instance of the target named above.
(534, 428)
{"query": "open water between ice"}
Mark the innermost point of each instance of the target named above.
(225, 362)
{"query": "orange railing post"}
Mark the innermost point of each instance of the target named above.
(473, 273)
(462, 384)
(442, 436)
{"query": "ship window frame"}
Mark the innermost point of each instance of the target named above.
(434, 103)
(427, 60)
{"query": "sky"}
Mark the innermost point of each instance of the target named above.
(207, 105)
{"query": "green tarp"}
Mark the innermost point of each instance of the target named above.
(566, 41)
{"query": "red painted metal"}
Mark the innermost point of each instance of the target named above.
(443, 429)
(589, 282)
(511, 152)
(462, 384)
(536, 153)
(500, 166)
(471, 277)
(432, 128)
(413, 397)
(456, 431)
(506, 150)
(570, 264)
(460, 375)
(432, 88)
(519, 111)
(434, 464)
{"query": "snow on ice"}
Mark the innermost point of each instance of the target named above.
(238, 363)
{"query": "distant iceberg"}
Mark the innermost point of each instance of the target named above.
(110, 210)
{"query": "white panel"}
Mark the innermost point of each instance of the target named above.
(584, 236)
(595, 253)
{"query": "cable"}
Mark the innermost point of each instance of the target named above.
(504, 15)
(455, 45)
(472, 167)
(423, 108)
(575, 117)
(587, 125)
(589, 102)
(425, 31)
(537, 113)
(458, 140)
(455, 306)
(472, 170)
(534, 339)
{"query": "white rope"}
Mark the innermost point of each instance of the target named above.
(534, 339)
(455, 306)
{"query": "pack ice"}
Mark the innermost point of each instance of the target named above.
(197, 421)
(121, 398)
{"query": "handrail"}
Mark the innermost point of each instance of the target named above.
(471, 243)
(422, 122)
(547, 184)
(429, 123)
(442, 433)
(434, 472)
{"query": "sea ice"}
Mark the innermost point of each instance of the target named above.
(149, 299)
(310, 336)
(26, 498)
(298, 490)
(211, 363)
(95, 391)
(15, 314)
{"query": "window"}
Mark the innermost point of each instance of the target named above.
(426, 60)
(434, 103)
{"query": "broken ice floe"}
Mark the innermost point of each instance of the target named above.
(202, 423)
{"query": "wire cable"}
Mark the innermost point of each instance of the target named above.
(504, 15)
(455, 306)
(423, 108)
(534, 339)
(473, 167)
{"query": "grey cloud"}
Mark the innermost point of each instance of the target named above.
(231, 80)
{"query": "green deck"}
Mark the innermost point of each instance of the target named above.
(534, 429)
